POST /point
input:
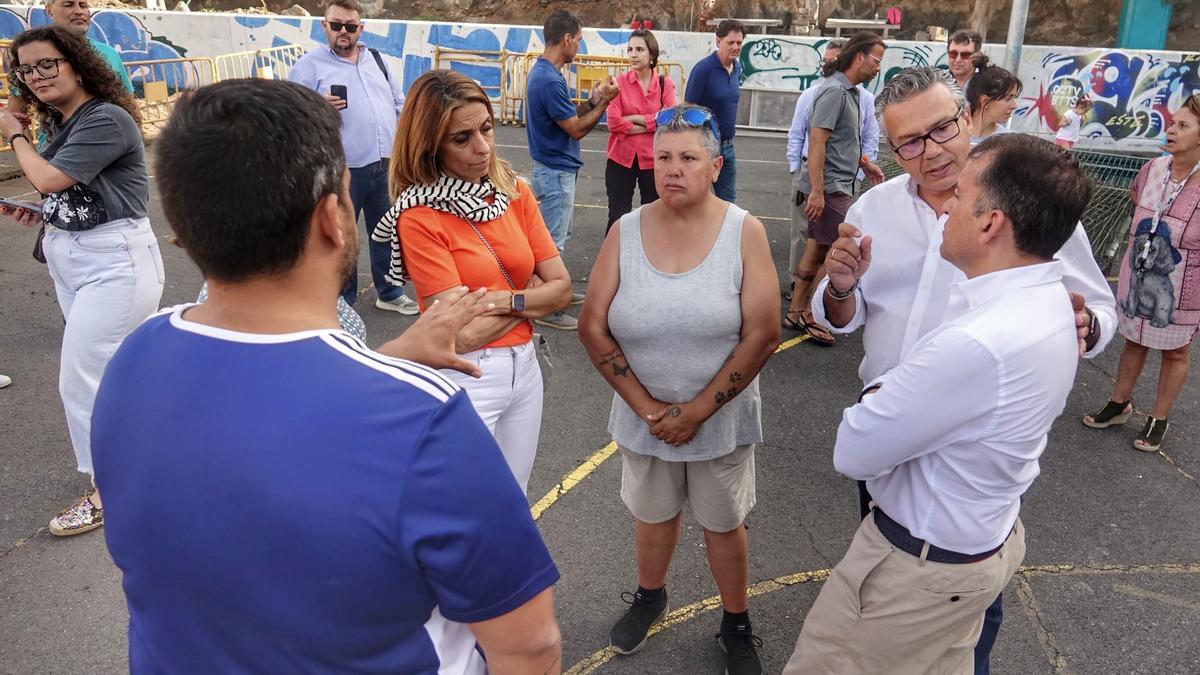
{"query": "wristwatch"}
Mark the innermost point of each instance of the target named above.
(1093, 334)
(517, 303)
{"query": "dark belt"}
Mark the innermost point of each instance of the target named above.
(901, 538)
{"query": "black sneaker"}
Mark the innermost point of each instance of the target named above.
(630, 633)
(741, 653)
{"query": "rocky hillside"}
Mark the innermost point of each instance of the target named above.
(1051, 22)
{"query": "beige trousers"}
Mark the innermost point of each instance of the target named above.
(885, 611)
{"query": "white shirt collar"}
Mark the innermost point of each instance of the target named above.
(985, 287)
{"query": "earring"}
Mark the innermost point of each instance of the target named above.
(79, 80)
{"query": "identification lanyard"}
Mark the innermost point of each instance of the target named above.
(1165, 201)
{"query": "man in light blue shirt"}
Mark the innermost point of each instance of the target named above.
(370, 102)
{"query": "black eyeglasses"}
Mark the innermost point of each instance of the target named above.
(942, 133)
(337, 26)
(47, 68)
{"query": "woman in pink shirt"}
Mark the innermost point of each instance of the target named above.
(631, 126)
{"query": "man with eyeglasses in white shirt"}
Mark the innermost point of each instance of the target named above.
(948, 440)
(924, 118)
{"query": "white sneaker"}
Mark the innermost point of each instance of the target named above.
(401, 304)
(5, 381)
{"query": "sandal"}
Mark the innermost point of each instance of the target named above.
(1112, 414)
(816, 332)
(1151, 438)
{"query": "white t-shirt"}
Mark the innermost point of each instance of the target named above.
(1069, 131)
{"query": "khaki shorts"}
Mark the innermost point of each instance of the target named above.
(720, 491)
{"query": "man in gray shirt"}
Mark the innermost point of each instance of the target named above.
(822, 188)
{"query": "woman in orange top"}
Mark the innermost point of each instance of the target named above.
(462, 217)
(643, 92)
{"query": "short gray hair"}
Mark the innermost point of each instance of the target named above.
(912, 81)
(677, 125)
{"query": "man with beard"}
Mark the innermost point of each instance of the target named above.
(356, 81)
(282, 497)
(924, 118)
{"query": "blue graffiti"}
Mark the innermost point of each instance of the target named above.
(120, 31)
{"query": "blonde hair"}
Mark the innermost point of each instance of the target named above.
(424, 124)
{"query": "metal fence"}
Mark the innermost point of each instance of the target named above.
(269, 64)
(504, 75)
(1106, 219)
(159, 84)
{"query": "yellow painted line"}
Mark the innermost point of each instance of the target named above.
(590, 464)
(788, 344)
(572, 479)
(1161, 597)
(684, 614)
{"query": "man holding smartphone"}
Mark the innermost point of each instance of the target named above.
(356, 81)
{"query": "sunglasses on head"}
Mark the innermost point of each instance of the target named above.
(337, 26)
(693, 117)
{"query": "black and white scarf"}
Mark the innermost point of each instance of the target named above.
(474, 202)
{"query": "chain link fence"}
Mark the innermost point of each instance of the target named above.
(1107, 216)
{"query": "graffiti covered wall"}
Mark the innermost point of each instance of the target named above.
(1134, 92)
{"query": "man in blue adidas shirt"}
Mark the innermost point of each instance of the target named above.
(279, 497)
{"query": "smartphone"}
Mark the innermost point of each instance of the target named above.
(28, 206)
(339, 90)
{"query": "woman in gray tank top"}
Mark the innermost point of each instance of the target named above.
(681, 314)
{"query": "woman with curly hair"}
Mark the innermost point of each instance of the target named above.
(102, 255)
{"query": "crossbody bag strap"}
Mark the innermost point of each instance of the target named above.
(503, 269)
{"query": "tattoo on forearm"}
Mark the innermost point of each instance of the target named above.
(608, 358)
(723, 397)
(615, 358)
(675, 411)
(735, 377)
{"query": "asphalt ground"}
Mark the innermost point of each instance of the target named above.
(1111, 582)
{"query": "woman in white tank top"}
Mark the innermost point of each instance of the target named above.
(681, 314)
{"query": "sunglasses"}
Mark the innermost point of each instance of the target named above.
(693, 117)
(955, 54)
(47, 68)
(942, 133)
(337, 26)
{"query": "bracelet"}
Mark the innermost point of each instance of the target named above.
(836, 295)
(14, 137)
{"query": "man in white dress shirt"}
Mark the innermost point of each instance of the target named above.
(905, 295)
(949, 439)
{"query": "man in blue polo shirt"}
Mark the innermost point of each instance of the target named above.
(279, 497)
(714, 84)
(553, 126)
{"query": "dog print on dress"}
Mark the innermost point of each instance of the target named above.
(1152, 260)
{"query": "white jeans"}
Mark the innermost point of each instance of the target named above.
(108, 280)
(509, 399)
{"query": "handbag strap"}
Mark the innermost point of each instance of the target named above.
(503, 270)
